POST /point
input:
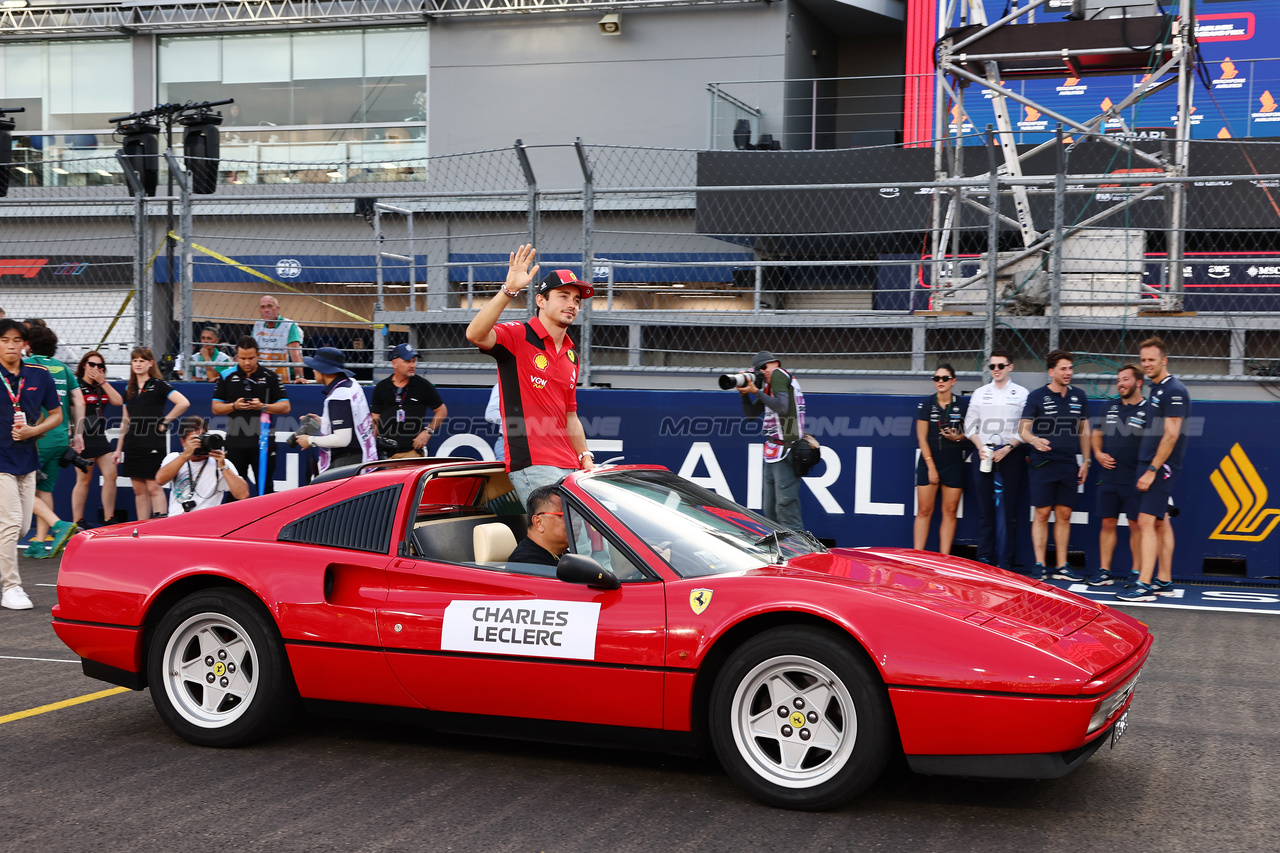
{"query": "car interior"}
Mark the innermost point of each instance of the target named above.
(471, 516)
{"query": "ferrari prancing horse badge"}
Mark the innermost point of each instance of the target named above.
(699, 599)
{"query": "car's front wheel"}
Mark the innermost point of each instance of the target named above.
(218, 671)
(800, 719)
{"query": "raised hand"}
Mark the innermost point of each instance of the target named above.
(519, 276)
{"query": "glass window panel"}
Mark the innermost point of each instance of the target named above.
(24, 71)
(327, 56)
(396, 99)
(89, 82)
(395, 53)
(328, 101)
(190, 60)
(255, 59)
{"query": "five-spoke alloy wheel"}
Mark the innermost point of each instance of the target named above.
(217, 670)
(800, 719)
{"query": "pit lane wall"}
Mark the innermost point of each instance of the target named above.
(863, 491)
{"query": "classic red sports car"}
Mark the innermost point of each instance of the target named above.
(681, 622)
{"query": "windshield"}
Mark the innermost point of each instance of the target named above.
(694, 530)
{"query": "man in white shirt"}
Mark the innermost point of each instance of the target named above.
(200, 476)
(995, 410)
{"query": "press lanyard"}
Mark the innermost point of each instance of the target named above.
(400, 392)
(15, 398)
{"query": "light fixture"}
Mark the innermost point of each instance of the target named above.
(103, 172)
(23, 169)
(611, 25)
(57, 170)
(334, 174)
(14, 4)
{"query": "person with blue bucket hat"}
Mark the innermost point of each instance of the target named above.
(346, 427)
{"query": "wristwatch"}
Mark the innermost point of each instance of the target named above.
(1152, 468)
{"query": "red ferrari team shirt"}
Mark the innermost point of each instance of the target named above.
(538, 388)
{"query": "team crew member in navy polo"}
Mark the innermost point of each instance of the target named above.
(1055, 424)
(1162, 419)
(400, 404)
(29, 388)
(537, 375)
(940, 434)
(1115, 447)
(242, 396)
(992, 425)
(346, 427)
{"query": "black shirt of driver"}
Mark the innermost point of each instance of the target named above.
(529, 551)
(416, 398)
(262, 384)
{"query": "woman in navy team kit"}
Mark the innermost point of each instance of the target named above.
(98, 394)
(940, 434)
(144, 432)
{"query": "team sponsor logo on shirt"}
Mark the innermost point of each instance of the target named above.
(537, 628)
(1244, 495)
(538, 382)
(572, 356)
(541, 361)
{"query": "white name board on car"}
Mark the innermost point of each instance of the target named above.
(547, 629)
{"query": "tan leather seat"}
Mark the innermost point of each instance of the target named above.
(493, 542)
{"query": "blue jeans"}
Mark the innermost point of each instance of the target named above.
(527, 479)
(782, 494)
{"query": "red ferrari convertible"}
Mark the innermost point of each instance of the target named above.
(679, 621)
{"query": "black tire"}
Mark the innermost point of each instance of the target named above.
(843, 705)
(218, 671)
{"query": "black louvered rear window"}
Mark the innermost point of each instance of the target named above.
(362, 523)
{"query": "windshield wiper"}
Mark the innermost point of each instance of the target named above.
(780, 535)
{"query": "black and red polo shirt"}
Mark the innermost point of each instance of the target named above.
(538, 388)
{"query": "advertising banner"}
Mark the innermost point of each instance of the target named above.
(863, 490)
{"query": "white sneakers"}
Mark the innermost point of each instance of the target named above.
(15, 599)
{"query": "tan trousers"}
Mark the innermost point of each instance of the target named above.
(407, 454)
(17, 497)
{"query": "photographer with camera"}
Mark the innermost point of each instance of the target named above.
(56, 447)
(346, 427)
(782, 403)
(400, 404)
(196, 483)
(243, 396)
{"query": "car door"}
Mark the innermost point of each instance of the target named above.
(476, 639)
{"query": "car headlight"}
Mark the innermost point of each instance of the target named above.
(1108, 705)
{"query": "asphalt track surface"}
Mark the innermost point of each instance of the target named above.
(1198, 769)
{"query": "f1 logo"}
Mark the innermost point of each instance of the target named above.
(25, 267)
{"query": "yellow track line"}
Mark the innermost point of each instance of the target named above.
(57, 706)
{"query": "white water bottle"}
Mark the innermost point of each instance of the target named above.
(985, 465)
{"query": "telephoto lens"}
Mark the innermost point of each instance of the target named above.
(210, 441)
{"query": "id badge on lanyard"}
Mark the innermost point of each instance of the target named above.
(400, 404)
(19, 416)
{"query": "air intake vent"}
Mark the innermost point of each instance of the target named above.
(360, 524)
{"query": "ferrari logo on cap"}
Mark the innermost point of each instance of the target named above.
(699, 599)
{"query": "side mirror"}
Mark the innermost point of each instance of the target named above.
(575, 568)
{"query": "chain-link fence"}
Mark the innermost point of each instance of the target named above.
(857, 261)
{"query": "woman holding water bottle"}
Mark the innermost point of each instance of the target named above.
(940, 435)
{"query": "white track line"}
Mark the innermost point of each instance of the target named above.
(46, 660)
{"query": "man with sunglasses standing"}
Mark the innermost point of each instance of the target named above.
(995, 410)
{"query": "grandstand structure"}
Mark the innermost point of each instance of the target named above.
(383, 157)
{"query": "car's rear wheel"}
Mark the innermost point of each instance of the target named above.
(800, 719)
(218, 671)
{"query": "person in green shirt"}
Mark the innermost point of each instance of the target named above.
(52, 533)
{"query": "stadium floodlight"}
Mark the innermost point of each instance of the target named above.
(142, 153)
(200, 150)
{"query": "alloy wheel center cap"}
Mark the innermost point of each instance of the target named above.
(219, 669)
(797, 719)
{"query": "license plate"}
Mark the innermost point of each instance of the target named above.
(1118, 730)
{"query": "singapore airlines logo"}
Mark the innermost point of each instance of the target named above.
(1244, 495)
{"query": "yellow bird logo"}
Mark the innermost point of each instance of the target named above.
(1244, 495)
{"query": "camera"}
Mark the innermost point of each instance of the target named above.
(386, 446)
(741, 380)
(210, 441)
(188, 506)
(309, 426)
(70, 457)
